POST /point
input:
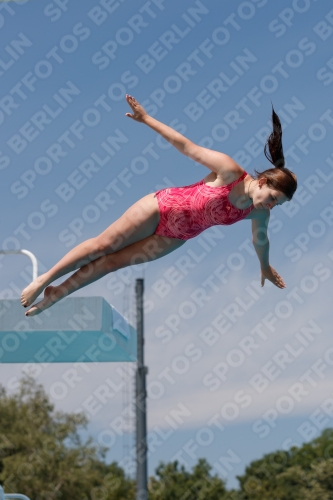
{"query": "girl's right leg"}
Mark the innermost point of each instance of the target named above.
(137, 223)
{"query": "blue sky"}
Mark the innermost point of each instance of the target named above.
(212, 69)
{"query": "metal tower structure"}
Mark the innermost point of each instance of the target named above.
(140, 400)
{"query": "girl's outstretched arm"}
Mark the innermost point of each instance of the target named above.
(139, 114)
(261, 245)
(214, 160)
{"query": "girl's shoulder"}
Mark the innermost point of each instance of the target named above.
(231, 174)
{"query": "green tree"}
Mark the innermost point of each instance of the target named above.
(43, 456)
(317, 483)
(297, 474)
(175, 483)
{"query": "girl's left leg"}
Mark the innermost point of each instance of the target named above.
(137, 223)
(148, 249)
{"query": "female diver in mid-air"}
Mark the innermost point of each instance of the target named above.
(161, 222)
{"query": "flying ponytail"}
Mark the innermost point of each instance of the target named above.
(279, 178)
(273, 148)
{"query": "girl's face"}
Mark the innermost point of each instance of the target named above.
(265, 197)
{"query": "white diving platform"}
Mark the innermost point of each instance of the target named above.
(75, 330)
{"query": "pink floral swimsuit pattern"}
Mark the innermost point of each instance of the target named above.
(187, 211)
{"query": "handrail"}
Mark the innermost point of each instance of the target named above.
(16, 495)
(32, 258)
(4, 496)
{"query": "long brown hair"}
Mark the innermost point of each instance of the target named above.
(279, 177)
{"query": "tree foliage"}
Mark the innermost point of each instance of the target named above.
(296, 474)
(175, 483)
(42, 453)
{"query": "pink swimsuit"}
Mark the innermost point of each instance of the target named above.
(187, 211)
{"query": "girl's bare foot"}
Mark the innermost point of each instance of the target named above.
(31, 292)
(48, 300)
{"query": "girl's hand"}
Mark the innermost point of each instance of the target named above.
(139, 114)
(270, 274)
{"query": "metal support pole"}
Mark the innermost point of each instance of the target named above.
(140, 400)
(28, 254)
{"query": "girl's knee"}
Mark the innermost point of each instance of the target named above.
(104, 245)
(110, 263)
(100, 245)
